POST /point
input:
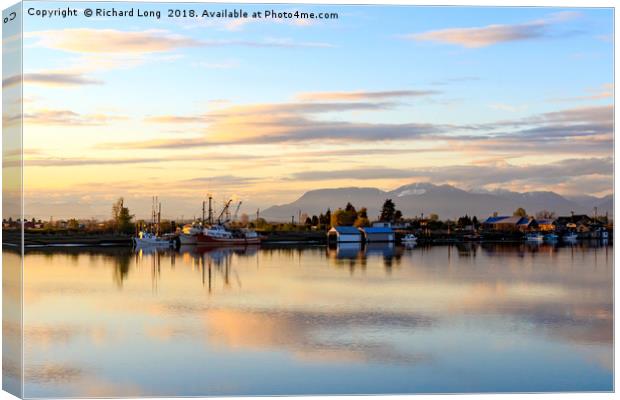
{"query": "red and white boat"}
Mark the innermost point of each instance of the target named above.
(218, 235)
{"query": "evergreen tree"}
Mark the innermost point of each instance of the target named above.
(387, 211)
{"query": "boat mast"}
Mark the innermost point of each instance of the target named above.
(203, 213)
(159, 220)
(210, 209)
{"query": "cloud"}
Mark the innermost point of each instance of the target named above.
(598, 114)
(51, 79)
(86, 40)
(366, 173)
(362, 95)
(67, 117)
(583, 123)
(477, 176)
(70, 162)
(59, 79)
(493, 34)
(286, 122)
(591, 128)
(223, 180)
(112, 41)
(605, 91)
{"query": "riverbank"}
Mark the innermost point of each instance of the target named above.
(13, 238)
(40, 239)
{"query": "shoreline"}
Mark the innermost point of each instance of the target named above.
(39, 241)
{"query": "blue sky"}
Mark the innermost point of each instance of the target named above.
(459, 87)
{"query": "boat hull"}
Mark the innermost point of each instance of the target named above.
(151, 243)
(215, 241)
(188, 239)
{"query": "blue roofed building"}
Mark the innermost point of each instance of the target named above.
(506, 223)
(379, 234)
(344, 234)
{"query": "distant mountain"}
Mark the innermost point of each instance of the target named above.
(445, 200)
(606, 205)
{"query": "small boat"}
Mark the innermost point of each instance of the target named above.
(570, 237)
(148, 239)
(409, 238)
(534, 237)
(551, 237)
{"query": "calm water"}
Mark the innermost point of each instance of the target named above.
(110, 322)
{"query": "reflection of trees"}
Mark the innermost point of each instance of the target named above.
(467, 249)
(118, 257)
(121, 268)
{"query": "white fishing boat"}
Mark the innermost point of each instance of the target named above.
(534, 237)
(148, 239)
(189, 234)
(219, 234)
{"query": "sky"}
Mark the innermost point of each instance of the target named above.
(262, 111)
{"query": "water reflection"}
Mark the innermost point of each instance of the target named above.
(289, 320)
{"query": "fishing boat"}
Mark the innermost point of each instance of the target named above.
(148, 239)
(551, 237)
(218, 234)
(570, 237)
(189, 234)
(409, 238)
(534, 237)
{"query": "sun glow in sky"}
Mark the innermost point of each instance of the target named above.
(266, 110)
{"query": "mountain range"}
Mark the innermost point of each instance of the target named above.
(445, 200)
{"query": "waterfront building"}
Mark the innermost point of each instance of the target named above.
(510, 224)
(344, 234)
(546, 224)
(379, 234)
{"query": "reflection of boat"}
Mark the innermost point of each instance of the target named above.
(534, 237)
(148, 239)
(551, 237)
(409, 239)
(570, 237)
